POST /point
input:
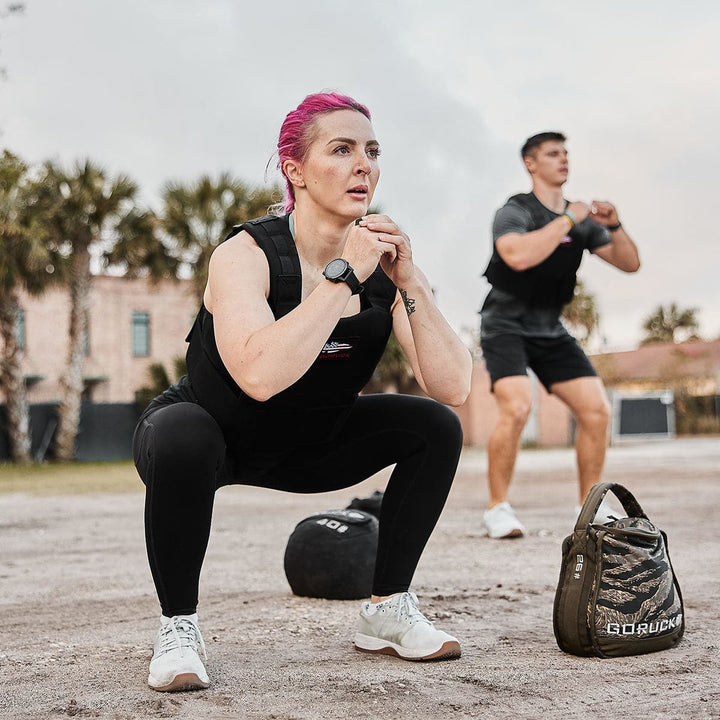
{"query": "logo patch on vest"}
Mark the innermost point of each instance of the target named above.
(335, 350)
(566, 240)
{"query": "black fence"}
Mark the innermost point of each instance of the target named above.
(105, 432)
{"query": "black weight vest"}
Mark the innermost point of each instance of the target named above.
(315, 407)
(552, 282)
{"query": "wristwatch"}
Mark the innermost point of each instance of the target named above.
(339, 270)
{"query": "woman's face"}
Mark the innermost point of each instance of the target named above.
(340, 170)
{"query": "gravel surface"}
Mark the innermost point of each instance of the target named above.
(78, 611)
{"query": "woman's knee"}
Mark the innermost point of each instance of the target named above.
(442, 423)
(181, 436)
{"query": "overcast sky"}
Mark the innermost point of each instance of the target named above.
(172, 89)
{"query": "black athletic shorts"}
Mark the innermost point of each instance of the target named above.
(552, 359)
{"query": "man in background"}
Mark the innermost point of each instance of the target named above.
(539, 239)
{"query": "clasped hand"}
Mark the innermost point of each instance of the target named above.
(600, 211)
(376, 238)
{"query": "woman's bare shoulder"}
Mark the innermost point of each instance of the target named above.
(237, 265)
(238, 247)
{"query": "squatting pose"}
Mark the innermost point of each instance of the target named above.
(267, 402)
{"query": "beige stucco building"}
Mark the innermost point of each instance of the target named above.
(693, 366)
(132, 324)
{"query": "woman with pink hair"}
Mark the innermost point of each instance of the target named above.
(295, 317)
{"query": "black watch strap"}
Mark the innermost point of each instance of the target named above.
(352, 282)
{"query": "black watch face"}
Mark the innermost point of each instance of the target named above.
(335, 268)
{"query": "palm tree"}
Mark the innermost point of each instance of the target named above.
(160, 380)
(25, 263)
(581, 314)
(89, 215)
(138, 250)
(671, 324)
(198, 217)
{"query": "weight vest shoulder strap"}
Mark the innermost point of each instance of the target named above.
(533, 206)
(272, 234)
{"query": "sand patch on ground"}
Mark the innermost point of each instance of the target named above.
(78, 611)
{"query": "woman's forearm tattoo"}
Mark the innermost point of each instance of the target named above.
(408, 302)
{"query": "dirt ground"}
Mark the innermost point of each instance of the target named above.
(78, 611)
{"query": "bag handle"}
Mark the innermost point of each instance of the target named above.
(595, 497)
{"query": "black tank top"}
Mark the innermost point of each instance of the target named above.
(314, 408)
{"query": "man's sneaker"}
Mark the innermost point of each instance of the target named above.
(176, 664)
(397, 627)
(500, 521)
(605, 513)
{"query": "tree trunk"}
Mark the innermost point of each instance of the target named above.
(72, 381)
(13, 383)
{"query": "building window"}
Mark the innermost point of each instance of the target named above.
(20, 328)
(141, 334)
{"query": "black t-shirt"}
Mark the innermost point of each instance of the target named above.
(502, 312)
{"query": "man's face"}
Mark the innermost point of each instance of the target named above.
(549, 163)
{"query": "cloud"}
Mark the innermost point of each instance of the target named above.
(173, 89)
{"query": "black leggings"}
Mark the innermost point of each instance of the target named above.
(180, 454)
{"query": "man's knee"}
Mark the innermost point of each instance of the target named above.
(514, 398)
(516, 412)
(595, 416)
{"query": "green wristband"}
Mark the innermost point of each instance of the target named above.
(571, 218)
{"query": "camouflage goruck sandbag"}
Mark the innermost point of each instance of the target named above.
(617, 593)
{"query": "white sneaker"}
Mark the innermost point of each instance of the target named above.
(397, 627)
(500, 521)
(605, 513)
(176, 664)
